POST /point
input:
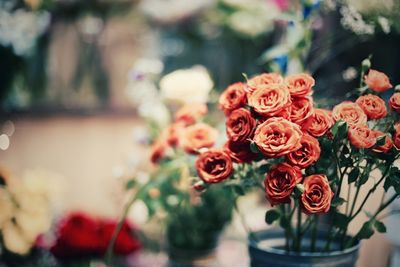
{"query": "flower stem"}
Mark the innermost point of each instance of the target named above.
(314, 233)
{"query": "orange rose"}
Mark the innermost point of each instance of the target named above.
(307, 155)
(361, 136)
(262, 80)
(233, 98)
(394, 102)
(388, 142)
(319, 123)
(173, 133)
(158, 150)
(189, 114)
(396, 138)
(277, 137)
(214, 166)
(280, 183)
(377, 81)
(270, 100)
(240, 125)
(299, 84)
(349, 112)
(239, 152)
(198, 136)
(317, 195)
(301, 109)
(373, 106)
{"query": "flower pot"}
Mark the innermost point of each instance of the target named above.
(192, 258)
(269, 251)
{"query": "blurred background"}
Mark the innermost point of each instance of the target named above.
(79, 78)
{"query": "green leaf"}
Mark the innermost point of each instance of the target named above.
(353, 175)
(254, 148)
(284, 222)
(337, 202)
(130, 184)
(366, 231)
(380, 141)
(340, 220)
(271, 216)
(363, 179)
(238, 190)
(379, 226)
(346, 150)
(339, 130)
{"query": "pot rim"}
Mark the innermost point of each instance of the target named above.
(261, 233)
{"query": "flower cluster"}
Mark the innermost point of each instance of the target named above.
(80, 235)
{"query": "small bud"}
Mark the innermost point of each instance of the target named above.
(300, 187)
(366, 64)
(199, 186)
(397, 88)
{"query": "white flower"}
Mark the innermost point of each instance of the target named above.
(187, 86)
(139, 212)
(385, 24)
(15, 240)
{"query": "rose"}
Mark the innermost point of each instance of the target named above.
(394, 102)
(240, 125)
(198, 136)
(260, 81)
(270, 100)
(187, 85)
(349, 112)
(214, 166)
(373, 106)
(239, 152)
(319, 123)
(301, 109)
(189, 114)
(233, 98)
(299, 84)
(158, 150)
(307, 155)
(361, 136)
(317, 194)
(280, 183)
(396, 138)
(277, 137)
(377, 81)
(385, 147)
(173, 133)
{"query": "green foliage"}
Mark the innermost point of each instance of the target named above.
(340, 220)
(353, 175)
(338, 201)
(271, 216)
(339, 130)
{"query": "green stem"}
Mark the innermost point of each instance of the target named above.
(314, 233)
(298, 239)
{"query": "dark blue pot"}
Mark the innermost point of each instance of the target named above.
(268, 251)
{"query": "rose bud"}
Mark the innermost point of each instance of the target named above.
(240, 125)
(299, 84)
(385, 147)
(319, 123)
(361, 137)
(317, 195)
(396, 138)
(199, 186)
(277, 137)
(232, 98)
(373, 106)
(377, 81)
(198, 136)
(280, 183)
(260, 81)
(307, 155)
(394, 102)
(270, 100)
(349, 112)
(189, 114)
(214, 166)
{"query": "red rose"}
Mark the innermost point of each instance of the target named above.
(198, 136)
(214, 166)
(280, 183)
(373, 106)
(385, 147)
(361, 137)
(301, 109)
(317, 194)
(189, 114)
(396, 138)
(233, 98)
(277, 137)
(394, 102)
(299, 85)
(260, 81)
(173, 133)
(270, 100)
(240, 125)
(239, 152)
(158, 150)
(319, 123)
(349, 112)
(307, 155)
(377, 81)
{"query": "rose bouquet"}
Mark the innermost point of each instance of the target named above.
(304, 157)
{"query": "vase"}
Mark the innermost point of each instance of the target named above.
(268, 251)
(192, 257)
